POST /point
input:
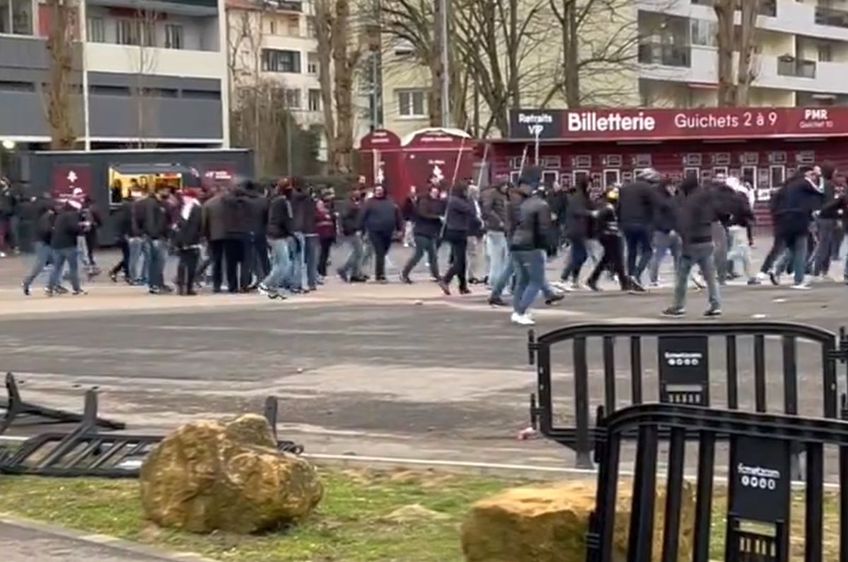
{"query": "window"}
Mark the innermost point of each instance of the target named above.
(310, 27)
(16, 17)
(272, 27)
(412, 103)
(692, 173)
(135, 32)
(314, 100)
(174, 36)
(274, 60)
(777, 174)
(293, 27)
(312, 63)
(96, 30)
(825, 52)
(611, 177)
(580, 176)
(703, 32)
(549, 178)
(293, 99)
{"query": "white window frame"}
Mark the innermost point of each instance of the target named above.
(552, 175)
(720, 170)
(753, 175)
(615, 171)
(408, 112)
(311, 98)
(174, 30)
(99, 24)
(514, 176)
(576, 173)
(293, 94)
(696, 171)
(772, 169)
(312, 64)
(10, 15)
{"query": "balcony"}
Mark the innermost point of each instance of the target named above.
(766, 8)
(799, 68)
(831, 17)
(665, 55)
(284, 5)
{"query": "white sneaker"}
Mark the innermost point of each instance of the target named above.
(805, 286)
(762, 276)
(522, 319)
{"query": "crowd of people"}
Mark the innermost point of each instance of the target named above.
(279, 240)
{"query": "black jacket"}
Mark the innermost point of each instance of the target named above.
(66, 228)
(493, 208)
(606, 220)
(380, 215)
(637, 203)
(303, 212)
(427, 217)
(460, 215)
(699, 208)
(123, 219)
(137, 210)
(794, 210)
(558, 202)
(44, 226)
(577, 218)
(279, 218)
(189, 230)
(258, 213)
(350, 218)
(214, 223)
(665, 212)
(532, 229)
(157, 219)
(237, 214)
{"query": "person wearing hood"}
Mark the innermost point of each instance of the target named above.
(798, 206)
(351, 271)
(257, 251)
(493, 203)
(697, 212)
(637, 208)
(609, 236)
(427, 223)
(827, 228)
(739, 222)
(529, 242)
(666, 239)
(67, 226)
(157, 228)
(304, 272)
(238, 216)
(215, 233)
(460, 220)
(43, 251)
(188, 231)
(380, 220)
(577, 221)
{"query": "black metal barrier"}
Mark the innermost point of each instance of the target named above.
(86, 452)
(759, 493)
(683, 370)
(15, 410)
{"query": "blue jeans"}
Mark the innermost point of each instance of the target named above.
(423, 244)
(498, 251)
(60, 257)
(352, 267)
(42, 256)
(499, 283)
(136, 249)
(638, 239)
(280, 263)
(529, 268)
(702, 256)
(311, 246)
(578, 257)
(157, 255)
(296, 273)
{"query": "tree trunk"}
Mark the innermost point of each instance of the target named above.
(434, 98)
(571, 54)
(344, 64)
(60, 44)
(324, 35)
(724, 10)
(746, 52)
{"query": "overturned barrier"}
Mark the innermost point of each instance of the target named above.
(683, 371)
(759, 494)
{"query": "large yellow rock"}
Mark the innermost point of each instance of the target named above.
(229, 476)
(549, 523)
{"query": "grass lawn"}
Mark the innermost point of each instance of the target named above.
(358, 520)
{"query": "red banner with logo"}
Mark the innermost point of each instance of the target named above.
(68, 178)
(670, 124)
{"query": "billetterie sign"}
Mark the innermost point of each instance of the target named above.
(667, 124)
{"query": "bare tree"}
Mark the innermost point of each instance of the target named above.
(144, 60)
(59, 101)
(724, 10)
(324, 35)
(247, 88)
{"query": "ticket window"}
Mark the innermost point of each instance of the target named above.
(581, 175)
(550, 177)
(611, 177)
(777, 175)
(749, 175)
(692, 173)
(720, 170)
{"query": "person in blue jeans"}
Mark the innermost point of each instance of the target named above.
(529, 240)
(349, 223)
(43, 251)
(279, 233)
(639, 203)
(426, 215)
(63, 243)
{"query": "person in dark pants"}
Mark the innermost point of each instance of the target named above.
(827, 228)
(215, 232)
(325, 228)
(157, 228)
(122, 219)
(577, 231)
(44, 233)
(237, 215)
(637, 208)
(67, 226)
(380, 220)
(256, 253)
(460, 216)
(426, 216)
(187, 235)
(609, 237)
(350, 224)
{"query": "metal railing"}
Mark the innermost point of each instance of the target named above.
(796, 67)
(831, 16)
(665, 55)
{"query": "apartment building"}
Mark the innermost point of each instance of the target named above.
(801, 55)
(273, 43)
(156, 73)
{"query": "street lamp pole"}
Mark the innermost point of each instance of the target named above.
(83, 26)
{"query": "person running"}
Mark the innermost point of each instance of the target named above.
(609, 237)
(460, 219)
(529, 242)
(577, 224)
(43, 251)
(350, 226)
(493, 202)
(427, 222)
(738, 225)
(67, 226)
(666, 238)
(381, 220)
(637, 208)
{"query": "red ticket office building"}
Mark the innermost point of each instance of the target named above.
(762, 145)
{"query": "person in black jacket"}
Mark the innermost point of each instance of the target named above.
(305, 248)
(426, 217)
(530, 236)
(257, 252)
(826, 228)
(139, 257)
(280, 235)
(188, 232)
(578, 212)
(237, 216)
(122, 220)
(157, 227)
(460, 217)
(43, 251)
(609, 236)
(637, 206)
(666, 239)
(381, 220)
(350, 227)
(63, 242)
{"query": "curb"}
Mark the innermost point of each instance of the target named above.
(102, 540)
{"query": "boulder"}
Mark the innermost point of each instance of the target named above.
(208, 476)
(549, 523)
